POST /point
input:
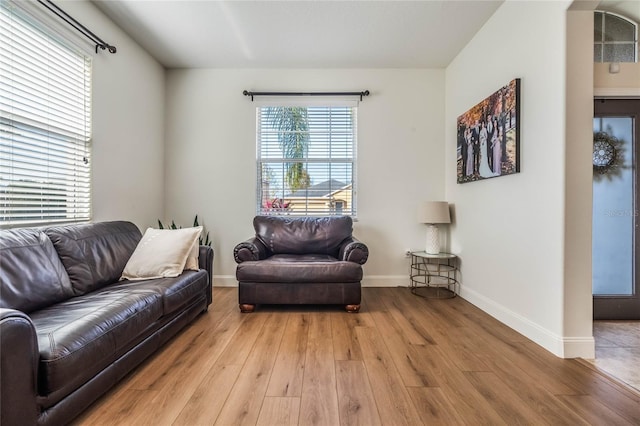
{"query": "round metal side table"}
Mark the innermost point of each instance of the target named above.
(433, 276)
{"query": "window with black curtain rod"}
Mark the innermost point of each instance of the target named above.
(71, 21)
(45, 125)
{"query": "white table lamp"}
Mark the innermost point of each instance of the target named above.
(432, 213)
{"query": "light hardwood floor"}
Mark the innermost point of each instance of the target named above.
(403, 360)
(618, 349)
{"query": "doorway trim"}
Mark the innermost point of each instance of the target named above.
(618, 307)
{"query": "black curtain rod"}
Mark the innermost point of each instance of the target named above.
(252, 94)
(77, 25)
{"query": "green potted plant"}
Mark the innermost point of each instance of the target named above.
(202, 241)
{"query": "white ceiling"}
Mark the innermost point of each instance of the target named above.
(302, 33)
(628, 8)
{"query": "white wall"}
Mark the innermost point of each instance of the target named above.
(211, 155)
(128, 125)
(509, 231)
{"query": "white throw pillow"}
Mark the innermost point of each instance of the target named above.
(193, 262)
(161, 253)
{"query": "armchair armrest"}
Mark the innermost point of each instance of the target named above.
(251, 249)
(353, 250)
(18, 369)
(205, 261)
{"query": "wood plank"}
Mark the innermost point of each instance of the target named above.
(238, 349)
(288, 371)
(393, 400)
(413, 331)
(357, 404)
(468, 402)
(345, 342)
(319, 403)
(434, 407)
(442, 329)
(409, 359)
(118, 408)
(506, 403)
(281, 411)
(245, 399)
(205, 404)
(593, 411)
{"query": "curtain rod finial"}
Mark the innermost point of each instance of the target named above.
(247, 93)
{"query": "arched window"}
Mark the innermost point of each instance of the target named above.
(615, 38)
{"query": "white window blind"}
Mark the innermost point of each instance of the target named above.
(306, 160)
(45, 98)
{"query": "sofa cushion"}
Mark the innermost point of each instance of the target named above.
(94, 255)
(79, 337)
(175, 292)
(31, 274)
(300, 235)
(304, 268)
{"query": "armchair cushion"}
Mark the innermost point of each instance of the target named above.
(302, 268)
(301, 235)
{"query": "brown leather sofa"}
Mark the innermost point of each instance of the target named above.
(300, 260)
(69, 330)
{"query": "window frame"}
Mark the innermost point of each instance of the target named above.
(289, 205)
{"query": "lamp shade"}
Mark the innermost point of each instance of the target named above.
(434, 212)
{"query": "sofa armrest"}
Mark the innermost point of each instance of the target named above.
(205, 261)
(18, 369)
(251, 249)
(353, 250)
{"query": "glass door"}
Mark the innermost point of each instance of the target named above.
(615, 210)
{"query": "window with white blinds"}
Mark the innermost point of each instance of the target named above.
(306, 160)
(45, 99)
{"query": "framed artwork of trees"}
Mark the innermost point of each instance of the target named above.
(489, 136)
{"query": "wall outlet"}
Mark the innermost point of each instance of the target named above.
(407, 253)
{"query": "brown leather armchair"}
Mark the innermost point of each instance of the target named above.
(300, 260)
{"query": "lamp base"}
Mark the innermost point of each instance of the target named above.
(433, 240)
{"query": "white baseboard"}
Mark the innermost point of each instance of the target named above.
(563, 347)
(225, 281)
(385, 281)
(579, 347)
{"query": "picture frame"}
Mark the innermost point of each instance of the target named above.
(488, 136)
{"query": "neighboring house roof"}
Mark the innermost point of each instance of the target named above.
(322, 189)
